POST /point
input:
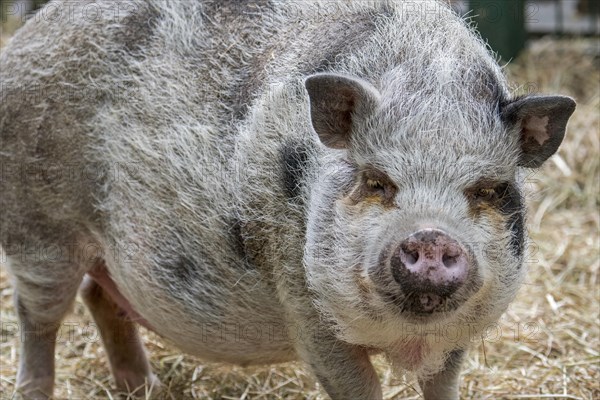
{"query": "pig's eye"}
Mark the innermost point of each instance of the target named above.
(375, 184)
(485, 193)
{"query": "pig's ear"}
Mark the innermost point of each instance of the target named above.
(337, 102)
(541, 121)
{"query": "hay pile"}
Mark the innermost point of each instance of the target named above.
(547, 345)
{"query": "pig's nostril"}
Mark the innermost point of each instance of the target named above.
(411, 256)
(449, 261)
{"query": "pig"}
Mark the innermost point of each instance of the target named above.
(264, 181)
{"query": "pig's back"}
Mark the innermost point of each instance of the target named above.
(94, 84)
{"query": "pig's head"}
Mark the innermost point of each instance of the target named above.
(417, 220)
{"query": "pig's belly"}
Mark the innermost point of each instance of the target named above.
(243, 337)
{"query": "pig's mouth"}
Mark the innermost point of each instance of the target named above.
(429, 301)
(426, 305)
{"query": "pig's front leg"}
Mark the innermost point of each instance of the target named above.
(344, 370)
(444, 384)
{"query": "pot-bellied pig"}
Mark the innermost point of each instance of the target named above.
(263, 181)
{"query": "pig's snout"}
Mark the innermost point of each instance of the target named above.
(430, 266)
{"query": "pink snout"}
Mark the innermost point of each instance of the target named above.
(430, 262)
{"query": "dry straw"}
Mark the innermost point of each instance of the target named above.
(547, 345)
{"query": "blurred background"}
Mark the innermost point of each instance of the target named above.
(547, 345)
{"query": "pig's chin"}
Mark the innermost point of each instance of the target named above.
(423, 304)
(391, 329)
(426, 317)
(427, 307)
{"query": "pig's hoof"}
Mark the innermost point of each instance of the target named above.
(34, 389)
(154, 385)
(139, 386)
(28, 394)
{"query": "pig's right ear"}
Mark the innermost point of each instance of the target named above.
(337, 102)
(541, 122)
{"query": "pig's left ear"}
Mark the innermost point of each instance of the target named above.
(337, 103)
(541, 121)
